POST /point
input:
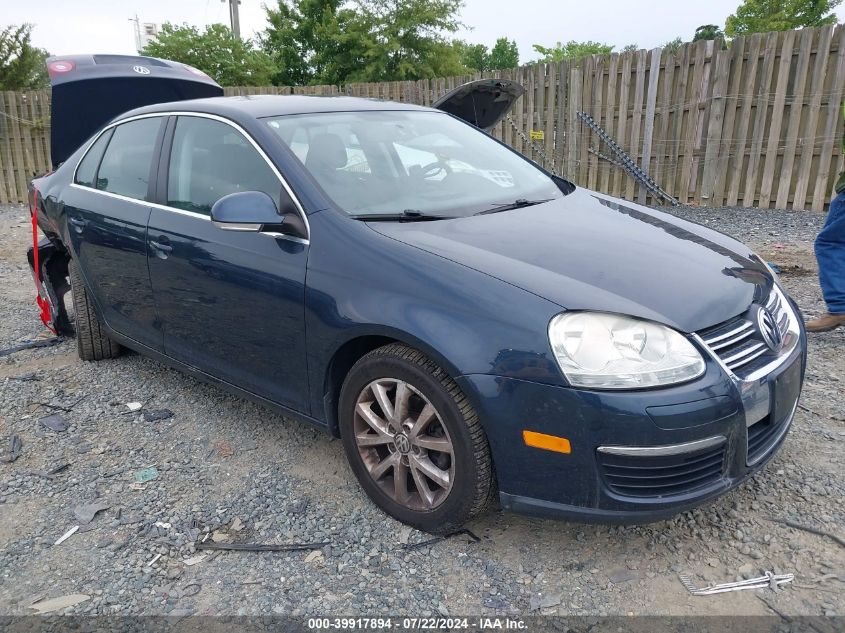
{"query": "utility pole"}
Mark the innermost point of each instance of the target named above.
(137, 33)
(234, 18)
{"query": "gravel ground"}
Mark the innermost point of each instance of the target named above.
(236, 471)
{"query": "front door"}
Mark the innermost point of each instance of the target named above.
(231, 303)
(107, 211)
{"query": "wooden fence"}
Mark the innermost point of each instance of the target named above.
(758, 124)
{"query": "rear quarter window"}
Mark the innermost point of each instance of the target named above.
(125, 168)
(86, 172)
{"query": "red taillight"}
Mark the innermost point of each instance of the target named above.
(59, 67)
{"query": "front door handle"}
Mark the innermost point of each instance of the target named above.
(162, 250)
(78, 223)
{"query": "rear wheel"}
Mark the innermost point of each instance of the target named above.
(91, 340)
(414, 441)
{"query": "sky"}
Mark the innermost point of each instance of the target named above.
(104, 26)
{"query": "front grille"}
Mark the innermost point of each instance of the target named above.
(762, 437)
(739, 344)
(662, 475)
(759, 435)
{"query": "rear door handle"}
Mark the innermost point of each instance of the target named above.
(162, 250)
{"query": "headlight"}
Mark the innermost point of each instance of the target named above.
(609, 351)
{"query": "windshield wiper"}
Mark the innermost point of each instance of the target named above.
(408, 215)
(516, 204)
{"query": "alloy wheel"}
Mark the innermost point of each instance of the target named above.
(404, 444)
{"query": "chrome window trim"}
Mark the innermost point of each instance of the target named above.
(667, 449)
(201, 115)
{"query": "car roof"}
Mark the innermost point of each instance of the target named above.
(259, 106)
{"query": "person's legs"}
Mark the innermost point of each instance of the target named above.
(830, 254)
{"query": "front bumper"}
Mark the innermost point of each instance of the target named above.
(636, 456)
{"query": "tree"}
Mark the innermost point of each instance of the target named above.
(332, 41)
(22, 66)
(216, 51)
(673, 46)
(504, 54)
(571, 50)
(762, 16)
(313, 41)
(475, 57)
(708, 32)
(631, 48)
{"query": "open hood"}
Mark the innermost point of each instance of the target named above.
(90, 90)
(483, 103)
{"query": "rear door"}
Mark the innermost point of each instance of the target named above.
(231, 303)
(107, 212)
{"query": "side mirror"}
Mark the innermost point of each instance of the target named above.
(256, 211)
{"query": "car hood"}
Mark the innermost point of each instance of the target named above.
(483, 102)
(588, 251)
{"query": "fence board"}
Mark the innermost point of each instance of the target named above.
(825, 178)
(811, 120)
(650, 107)
(796, 106)
(777, 119)
(622, 125)
(760, 113)
(738, 164)
(721, 66)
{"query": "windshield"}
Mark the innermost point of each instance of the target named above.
(392, 162)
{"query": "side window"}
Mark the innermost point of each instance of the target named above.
(87, 169)
(209, 160)
(125, 168)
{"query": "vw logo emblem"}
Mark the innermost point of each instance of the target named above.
(769, 329)
(141, 70)
(403, 444)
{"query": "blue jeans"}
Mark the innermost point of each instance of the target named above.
(830, 253)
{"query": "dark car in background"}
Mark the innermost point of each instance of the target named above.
(467, 323)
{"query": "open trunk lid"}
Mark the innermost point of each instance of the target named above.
(90, 90)
(483, 102)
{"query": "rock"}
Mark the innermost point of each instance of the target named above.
(54, 422)
(551, 600)
(85, 513)
(622, 575)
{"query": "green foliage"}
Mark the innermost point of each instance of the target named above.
(22, 65)
(215, 51)
(631, 48)
(762, 16)
(477, 58)
(474, 57)
(673, 46)
(708, 32)
(332, 41)
(571, 50)
(504, 54)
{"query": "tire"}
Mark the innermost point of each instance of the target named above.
(91, 340)
(431, 500)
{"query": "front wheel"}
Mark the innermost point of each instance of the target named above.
(414, 441)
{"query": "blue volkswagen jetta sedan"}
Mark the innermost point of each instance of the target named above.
(468, 324)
